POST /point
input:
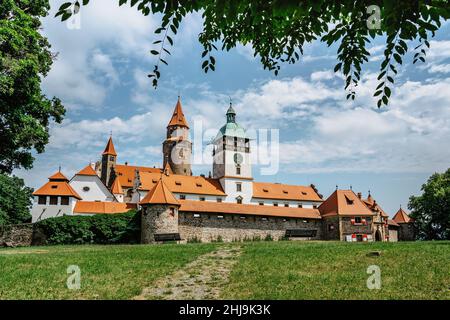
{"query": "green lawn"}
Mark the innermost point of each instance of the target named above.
(107, 272)
(265, 270)
(337, 270)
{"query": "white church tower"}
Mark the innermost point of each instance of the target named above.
(231, 160)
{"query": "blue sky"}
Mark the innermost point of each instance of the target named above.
(101, 76)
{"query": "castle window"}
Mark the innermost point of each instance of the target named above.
(64, 201)
(286, 205)
(202, 198)
(238, 187)
(275, 204)
(182, 197)
(219, 199)
(172, 211)
(42, 200)
(53, 200)
(238, 170)
(300, 205)
(242, 217)
(264, 219)
(111, 158)
(239, 200)
(330, 227)
(219, 217)
(314, 206)
(86, 189)
(358, 220)
(261, 203)
(196, 215)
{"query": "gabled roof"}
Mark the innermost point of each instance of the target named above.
(58, 176)
(344, 203)
(87, 171)
(116, 187)
(126, 173)
(98, 207)
(265, 190)
(402, 217)
(374, 206)
(109, 149)
(57, 186)
(247, 209)
(178, 118)
(183, 184)
(160, 194)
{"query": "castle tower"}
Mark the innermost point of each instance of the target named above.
(231, 160)
(159, 214)
(109, 158)
(177, 147)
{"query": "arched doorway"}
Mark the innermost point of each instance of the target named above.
(378, 235)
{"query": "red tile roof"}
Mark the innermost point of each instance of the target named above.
(265, 190)
(178, 118)
(160, 194)
(116, 187)
(58, 176)
(374, 206)
(247, 209)
(98, 207)
(183, 184)
(393, 223)
(57, 186)
(87, 171)
(126, 173)
(344, 203)
(402, 217)
(109, 149)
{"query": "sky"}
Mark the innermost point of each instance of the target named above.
(100, 74)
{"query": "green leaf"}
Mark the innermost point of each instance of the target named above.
(154, 52)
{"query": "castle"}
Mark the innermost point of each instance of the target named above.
(227, 205)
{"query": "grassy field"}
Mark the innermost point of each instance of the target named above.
(324, 270)
(264, 270)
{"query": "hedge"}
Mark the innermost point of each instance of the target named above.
(100, 229)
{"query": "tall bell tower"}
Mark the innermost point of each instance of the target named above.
(177, 147)
(109, 158)
(232, 161)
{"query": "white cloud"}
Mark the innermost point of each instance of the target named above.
(322, 75)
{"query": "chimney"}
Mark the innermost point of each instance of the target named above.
(209, 175)
(359, 195)
(126, 163)
(202, 175)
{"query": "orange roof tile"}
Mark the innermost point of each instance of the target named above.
(280, 191)
(126, 173)
(57, 186)
(393, 223)
(116, 187)
(183, 184)
(402, 217)
(374, 206)
(247, 209)
(160, 194)
(109, 149)
(98, 207)
(58, 176)
(87, 171)
(344, 202)
(178, 118)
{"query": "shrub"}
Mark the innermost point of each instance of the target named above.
(101, 229)
(194, 240)
(268, 237)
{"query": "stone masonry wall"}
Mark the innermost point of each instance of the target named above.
(348, 228)
(209, 227)
(331, 228)
(16, 235)
(158, 219)
(406, 232)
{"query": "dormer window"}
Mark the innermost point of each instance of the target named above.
(197, 184)
(178, 183)
(265, 190)
(348, 200)
(239, 200)
(304, 193)
(285, 192)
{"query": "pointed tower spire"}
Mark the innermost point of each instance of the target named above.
(160, 194)
(109, 149)
(178, 118)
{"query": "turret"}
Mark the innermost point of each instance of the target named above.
(177, 147)
(109, 158)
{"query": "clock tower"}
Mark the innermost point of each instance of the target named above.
(177, 147)
(231, 160)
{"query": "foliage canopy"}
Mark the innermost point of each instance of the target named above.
(278, 31)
